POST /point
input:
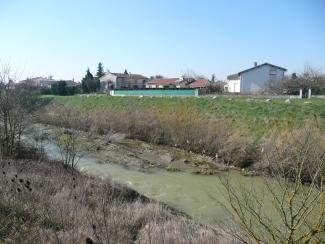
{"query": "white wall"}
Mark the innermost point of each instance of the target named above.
(109, 77)
(256, 80)
(234, 85)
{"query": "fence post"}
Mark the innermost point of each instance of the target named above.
(300, 93)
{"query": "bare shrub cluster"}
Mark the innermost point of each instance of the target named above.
(42, 202)
(213, 136)
(282, 151)
(16, 105)
(284, 209)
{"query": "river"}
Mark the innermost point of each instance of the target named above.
(200, 196)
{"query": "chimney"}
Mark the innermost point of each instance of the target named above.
(255, 64)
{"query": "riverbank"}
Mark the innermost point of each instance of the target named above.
(146, 167)
(251, 134)
(255, 114)
(131, 153)
(44, 202)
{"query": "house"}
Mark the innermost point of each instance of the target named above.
(45, 82)
(255, 79)
(111, 81)
(163, 83)
(201, 83)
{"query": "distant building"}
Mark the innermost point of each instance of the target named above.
(255, 79)
(111, 81)
(45, 82)
(163, 83)
(201, 83)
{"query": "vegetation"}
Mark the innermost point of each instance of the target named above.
(299, 210)
(238, 132)
(309, 79)
(60, 88)
(43, 202)
(248, 113)
(90, 83)
(16, 105)
(100, 70)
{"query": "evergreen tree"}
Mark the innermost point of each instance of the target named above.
(125, 72)
(88, 83)
(100, 70)
(59, 88)
(213, 78)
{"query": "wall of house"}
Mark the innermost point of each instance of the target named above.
(130, 83)
(151, 86)
(110, 78)
(234, 86)
(257, 80)
(254, 80)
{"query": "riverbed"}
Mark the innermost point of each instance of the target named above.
(200, 196)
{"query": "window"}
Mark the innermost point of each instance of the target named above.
(272, 74)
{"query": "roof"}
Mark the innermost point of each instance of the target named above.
(257, 66)
(132, 76)
(199, 83)
(163, 81)
(233, 77)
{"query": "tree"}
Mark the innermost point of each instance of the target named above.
(213, 78)
(16, 105)
(125, 72)
(159, 76)
(59, 88)
(68, 137)
(89, 83)
(309, 79)
(298, 209)
(100, 70)
(67, 141)
(215, 87)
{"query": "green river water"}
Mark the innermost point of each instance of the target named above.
(197, 195)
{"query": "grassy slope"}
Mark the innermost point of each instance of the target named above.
(43, 202)
(256, 115)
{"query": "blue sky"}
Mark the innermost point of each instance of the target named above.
(63, 38)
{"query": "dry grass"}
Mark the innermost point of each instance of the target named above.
(208, 135)
(283, 150)
(44, 202)
(185, 129)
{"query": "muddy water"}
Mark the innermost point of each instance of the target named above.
(197, 195)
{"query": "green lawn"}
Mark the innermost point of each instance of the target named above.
(254, 114)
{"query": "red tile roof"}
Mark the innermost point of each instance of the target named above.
(199, 83)
(163, 81)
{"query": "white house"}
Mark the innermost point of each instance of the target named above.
(255, 79)
(125, 80)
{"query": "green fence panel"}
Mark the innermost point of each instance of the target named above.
(157, 92)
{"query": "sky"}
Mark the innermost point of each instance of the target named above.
(168, 37)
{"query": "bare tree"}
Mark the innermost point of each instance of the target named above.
(16, 105)
(67, 141)
(284, 209)
(68, 136)
(310, 78)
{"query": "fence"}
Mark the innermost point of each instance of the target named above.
(155, 92)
